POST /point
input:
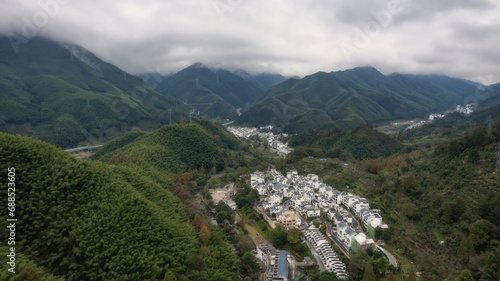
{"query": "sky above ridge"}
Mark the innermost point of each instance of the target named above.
(292, 37)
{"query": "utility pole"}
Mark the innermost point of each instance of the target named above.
(170, 111)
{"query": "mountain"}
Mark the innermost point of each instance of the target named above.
(65, 95)
(127, 218)
(173, 148)
(363, 142)
(83, 220)
(263, 81)
(353, 97)
(452, 125)
(214, 92)
(489, 96)
(446, 192)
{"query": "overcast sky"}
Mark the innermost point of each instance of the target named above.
(291, 37)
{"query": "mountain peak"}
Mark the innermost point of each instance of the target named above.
(197, 65)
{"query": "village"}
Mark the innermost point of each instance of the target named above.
(275, 145)
(296, 201)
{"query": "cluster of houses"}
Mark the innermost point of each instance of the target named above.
(294, 197)
(328, 257)
(276, 261)
(275, 145)
(467, 109)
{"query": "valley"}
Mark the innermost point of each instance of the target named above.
(218, 174)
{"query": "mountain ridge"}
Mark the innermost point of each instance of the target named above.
(353, 97)
(49, 93)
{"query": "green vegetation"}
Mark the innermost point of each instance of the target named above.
(446, 197)
(26, 269)
(350, 98)
(86, 220)
(215, 93)
(67, 96)
(361, 143)
(174, 148)
(439, 237)
(448, 193)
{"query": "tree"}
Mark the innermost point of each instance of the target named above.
(391, 277)
(465, 275)
(245, 245)
(453, 210)
(196, 263)
(279, 236)
(489, 208)
(325, 276)
(249, 265)
(323, 228)
(185, 177)
(199, 222)
(369, 275)
(222, 216)
(473, 156)
(412, 276)
(465, 250)
(204, 235)
(293, 236)
(480, 234)
(169, 276)
(358, 263)
(409, 183)
(246, 196)
(410, 210)
(380, 266)
(222, 206)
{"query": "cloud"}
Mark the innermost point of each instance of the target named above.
(291, 37)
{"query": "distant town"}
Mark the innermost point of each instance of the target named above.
(460, 109)
(275, 145)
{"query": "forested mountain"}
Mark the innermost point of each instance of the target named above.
(360, 143)
(65, 95)
(213, 92)
(89, 220)
(85, 220)
(353, 97)
(455, 124)
(263, 81)
(489, 96)
(449, 192)
(175, 148)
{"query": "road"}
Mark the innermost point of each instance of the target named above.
(81, 149)
(389, 256)
(269, 220)
(316, 256)
(333, 237)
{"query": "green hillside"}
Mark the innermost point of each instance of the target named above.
(262, 81)
(347, 99)
(173, 148)
(452, 190)
(449, 192)
(361, 143)
(452, 125)
(490, 96)
(84, 220)
(67, 96)
(215, 93)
